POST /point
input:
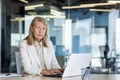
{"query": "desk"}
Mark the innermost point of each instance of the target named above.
(105, 77)
(92, 77)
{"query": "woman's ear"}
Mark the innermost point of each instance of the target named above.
(31, 28)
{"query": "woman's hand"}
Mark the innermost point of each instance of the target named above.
(56, 71)
(62, 70)
(45, 72)
(53, 71)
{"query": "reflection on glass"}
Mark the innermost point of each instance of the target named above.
(67, 28)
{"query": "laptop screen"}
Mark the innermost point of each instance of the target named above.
(75, 63)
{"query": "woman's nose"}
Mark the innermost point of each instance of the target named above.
(40, 30)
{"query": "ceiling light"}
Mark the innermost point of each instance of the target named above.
(32, 13)
(31, 7)
(18, 19)
(114, 1)
(55, 12)
(46, 10)
(49, 16)
(88, 5)
(102, 10)
(81, 6)
(104, 4)
(24, 1)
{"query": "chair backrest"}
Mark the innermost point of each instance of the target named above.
(18, 62)
(60, 60)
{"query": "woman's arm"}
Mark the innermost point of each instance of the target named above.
(28, 67)
(54, 61)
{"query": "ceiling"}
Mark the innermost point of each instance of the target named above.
(61, 3)
(65, 2)
(68, 2)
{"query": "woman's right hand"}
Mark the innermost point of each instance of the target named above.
(53, 71)
(45, 72)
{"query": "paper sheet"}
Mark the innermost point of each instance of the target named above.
(10, 75)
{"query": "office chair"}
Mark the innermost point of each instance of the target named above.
(18, 62)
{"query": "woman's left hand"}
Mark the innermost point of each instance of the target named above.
(56, 71)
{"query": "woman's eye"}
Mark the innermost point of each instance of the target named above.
(44, 28)
(37, 27)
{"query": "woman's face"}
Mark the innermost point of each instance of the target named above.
(38, 30)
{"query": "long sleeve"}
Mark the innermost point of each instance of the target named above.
(54, 62)
(28, 65)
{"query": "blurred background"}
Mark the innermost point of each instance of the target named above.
(75, 26)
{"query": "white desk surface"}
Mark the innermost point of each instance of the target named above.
(92, 77)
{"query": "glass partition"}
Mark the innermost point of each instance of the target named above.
(84, 32)
(117, 42)
(75, 35)
(17, 34)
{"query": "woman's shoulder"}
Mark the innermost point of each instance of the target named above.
(49, 41)
(23, 42)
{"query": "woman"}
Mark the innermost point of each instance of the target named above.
(37, 52)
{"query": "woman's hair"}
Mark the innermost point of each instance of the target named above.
(30, 38)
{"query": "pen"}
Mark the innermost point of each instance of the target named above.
(7, 74)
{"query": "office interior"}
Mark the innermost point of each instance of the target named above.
(75, 27)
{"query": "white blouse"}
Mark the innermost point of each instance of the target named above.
(30, 58)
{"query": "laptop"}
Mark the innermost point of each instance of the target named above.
(74, 65)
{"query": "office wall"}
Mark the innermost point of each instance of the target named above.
(5, 35)
(100, 19)
(112, 26)
(85, 22)
(55, 31)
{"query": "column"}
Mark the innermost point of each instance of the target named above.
(0, 35)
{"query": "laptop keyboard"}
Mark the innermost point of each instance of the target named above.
(53, 75)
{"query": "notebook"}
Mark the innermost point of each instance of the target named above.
(74, 65)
